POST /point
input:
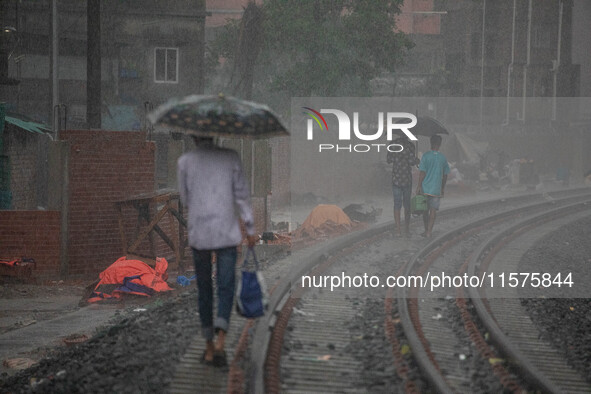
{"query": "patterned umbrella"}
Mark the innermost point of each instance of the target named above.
(219, 116)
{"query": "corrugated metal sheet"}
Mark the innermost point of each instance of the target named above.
(27, 125)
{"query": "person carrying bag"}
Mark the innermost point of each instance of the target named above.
(252, 299)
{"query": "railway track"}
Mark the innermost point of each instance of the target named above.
(435, 343)
(515, 334)
(315, 339)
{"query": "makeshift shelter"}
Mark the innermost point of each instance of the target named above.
(465, 153)
(323, 220)
(131, 277)
(463, 149)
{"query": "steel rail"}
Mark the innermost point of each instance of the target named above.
(421, 354)
(505, 345)
(307, 260)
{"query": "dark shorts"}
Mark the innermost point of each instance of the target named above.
(401, 197)
(433, 202)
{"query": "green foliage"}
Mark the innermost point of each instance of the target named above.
(226, 41)
(324, 47)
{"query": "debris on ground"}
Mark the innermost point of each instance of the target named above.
(281, 227)
(74, 339)
(362, 212)
(276, 239)
(19, 268)
(18, 363)
(184, 281)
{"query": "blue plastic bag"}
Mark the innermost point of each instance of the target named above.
(184, 281)
(251, 300)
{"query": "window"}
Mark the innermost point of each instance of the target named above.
(166, 65)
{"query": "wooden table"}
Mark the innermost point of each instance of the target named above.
(160, 202)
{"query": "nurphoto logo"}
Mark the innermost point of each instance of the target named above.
(397, 123)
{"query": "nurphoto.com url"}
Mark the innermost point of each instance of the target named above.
(440, 280)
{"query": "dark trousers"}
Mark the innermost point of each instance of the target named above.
(225, 268)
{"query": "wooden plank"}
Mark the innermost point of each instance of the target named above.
(161, 232)
(149, 229)
(142, 203)
(161, 195)
(182, 225)
(179, 216)
(175, 241)
(146, 213)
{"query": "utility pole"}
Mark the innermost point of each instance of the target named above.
(528, 60)
(54, 68)
(556, 63)
(482, 55)
(93, 64)
(200, 60)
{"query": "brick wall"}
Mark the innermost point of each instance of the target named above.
(34, 234)
(23, 149)
(104, 167)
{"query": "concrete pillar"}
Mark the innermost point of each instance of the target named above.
(175, 150)
(58, 197)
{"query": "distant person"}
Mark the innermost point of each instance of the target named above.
(563, 175)
(402, 163)
(432, 178)
(211, 185)
(527, 174)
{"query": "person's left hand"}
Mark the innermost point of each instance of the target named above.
(252, 240)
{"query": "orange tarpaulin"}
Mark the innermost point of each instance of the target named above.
(325, 219)
(131, 277)
(324, 213)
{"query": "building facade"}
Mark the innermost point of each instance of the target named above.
(488, 48)
(150, 51)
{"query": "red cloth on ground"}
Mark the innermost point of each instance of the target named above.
(137, 273)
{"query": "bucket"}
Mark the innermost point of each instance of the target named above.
(418, 204)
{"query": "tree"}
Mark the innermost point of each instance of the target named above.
(324, 47)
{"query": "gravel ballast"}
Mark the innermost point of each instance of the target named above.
(137, 354)
(564, 322)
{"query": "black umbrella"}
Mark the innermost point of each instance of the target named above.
(426, 126)
(219, 116)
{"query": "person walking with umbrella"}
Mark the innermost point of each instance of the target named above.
(432, 178)
(211, 185)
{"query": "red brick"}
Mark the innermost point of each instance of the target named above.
(105, 166)
(34, 234)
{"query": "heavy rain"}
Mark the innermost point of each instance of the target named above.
(345, 150)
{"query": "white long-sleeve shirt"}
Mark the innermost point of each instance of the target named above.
(211, 185)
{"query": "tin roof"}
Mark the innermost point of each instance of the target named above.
(28, 125)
